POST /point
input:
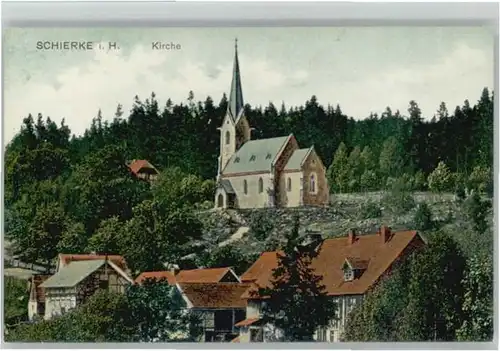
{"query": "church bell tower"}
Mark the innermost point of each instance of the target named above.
(235, 130)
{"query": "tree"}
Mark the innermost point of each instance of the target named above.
(434, 306)
(16, 297)
(423, 218)
(355, 168)
(391, 161)
(175, 189)
(150, 312)
(338, 172)
(478, 301)
(230, 256)
(476, 210)
(481, 179)
(419, 300)
(73, 239)
(295, 288)
(155, 236)
(441, 179)
(368, 160)
(160, 313)
(41, 240)
(103, 318)
(106, 239)
(369, 181)
(261, 225)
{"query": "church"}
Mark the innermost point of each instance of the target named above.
(273, 172)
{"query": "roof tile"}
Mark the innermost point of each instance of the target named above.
(332, 255)
(215, 295)
(136, 165)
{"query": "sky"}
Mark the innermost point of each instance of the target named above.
(363, 69)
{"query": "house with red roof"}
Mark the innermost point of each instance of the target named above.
(219, 306)
(77, 278)
(199, 275)
(143, 169)
(350, 267)
(213, 293)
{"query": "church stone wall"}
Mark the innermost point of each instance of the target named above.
(314, 166)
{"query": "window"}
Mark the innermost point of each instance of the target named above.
(245, 187)
(348, 274)
(261, 185)
(252, 158)
(289, 184)
(228, 136)
(321, 335)
(268, 156)
(312, 183)
(237, 160)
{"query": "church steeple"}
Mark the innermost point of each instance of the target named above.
(235, 104)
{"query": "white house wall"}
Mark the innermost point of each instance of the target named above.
(59, 303)
(345, 305)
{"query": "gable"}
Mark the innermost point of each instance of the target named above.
(65, 259)
(202, 275)
(214, 295)
(229, 277)
(313, 160)
(297, 160)
(255, 156)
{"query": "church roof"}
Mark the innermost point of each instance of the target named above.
(235, 104)
(255, 156)
(226, 185)
(298, 157)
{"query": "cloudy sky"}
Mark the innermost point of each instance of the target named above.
(362, 69)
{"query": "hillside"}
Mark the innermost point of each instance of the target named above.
(364, 212)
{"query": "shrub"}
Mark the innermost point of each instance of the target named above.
(370, 209)
(399, 200)
(260, 224)
(441, 179)
(423, 218)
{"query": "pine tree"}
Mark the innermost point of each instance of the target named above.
(295, 288)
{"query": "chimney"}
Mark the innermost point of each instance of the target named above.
(174, 269)
(385, 233)
(352, 236)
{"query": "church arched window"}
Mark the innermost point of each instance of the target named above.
(312, 183)
(228, 136)
(261, 185)
(289, 184)
(245, 187)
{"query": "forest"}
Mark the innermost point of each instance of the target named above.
(74, 194)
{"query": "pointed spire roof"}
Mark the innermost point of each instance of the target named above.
(235, 104)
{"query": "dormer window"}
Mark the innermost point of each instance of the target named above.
(252, 158)
(348, 274)
(237, 160)
(268, 156)
(353, 268)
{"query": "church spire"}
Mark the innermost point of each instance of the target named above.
(236, 96)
